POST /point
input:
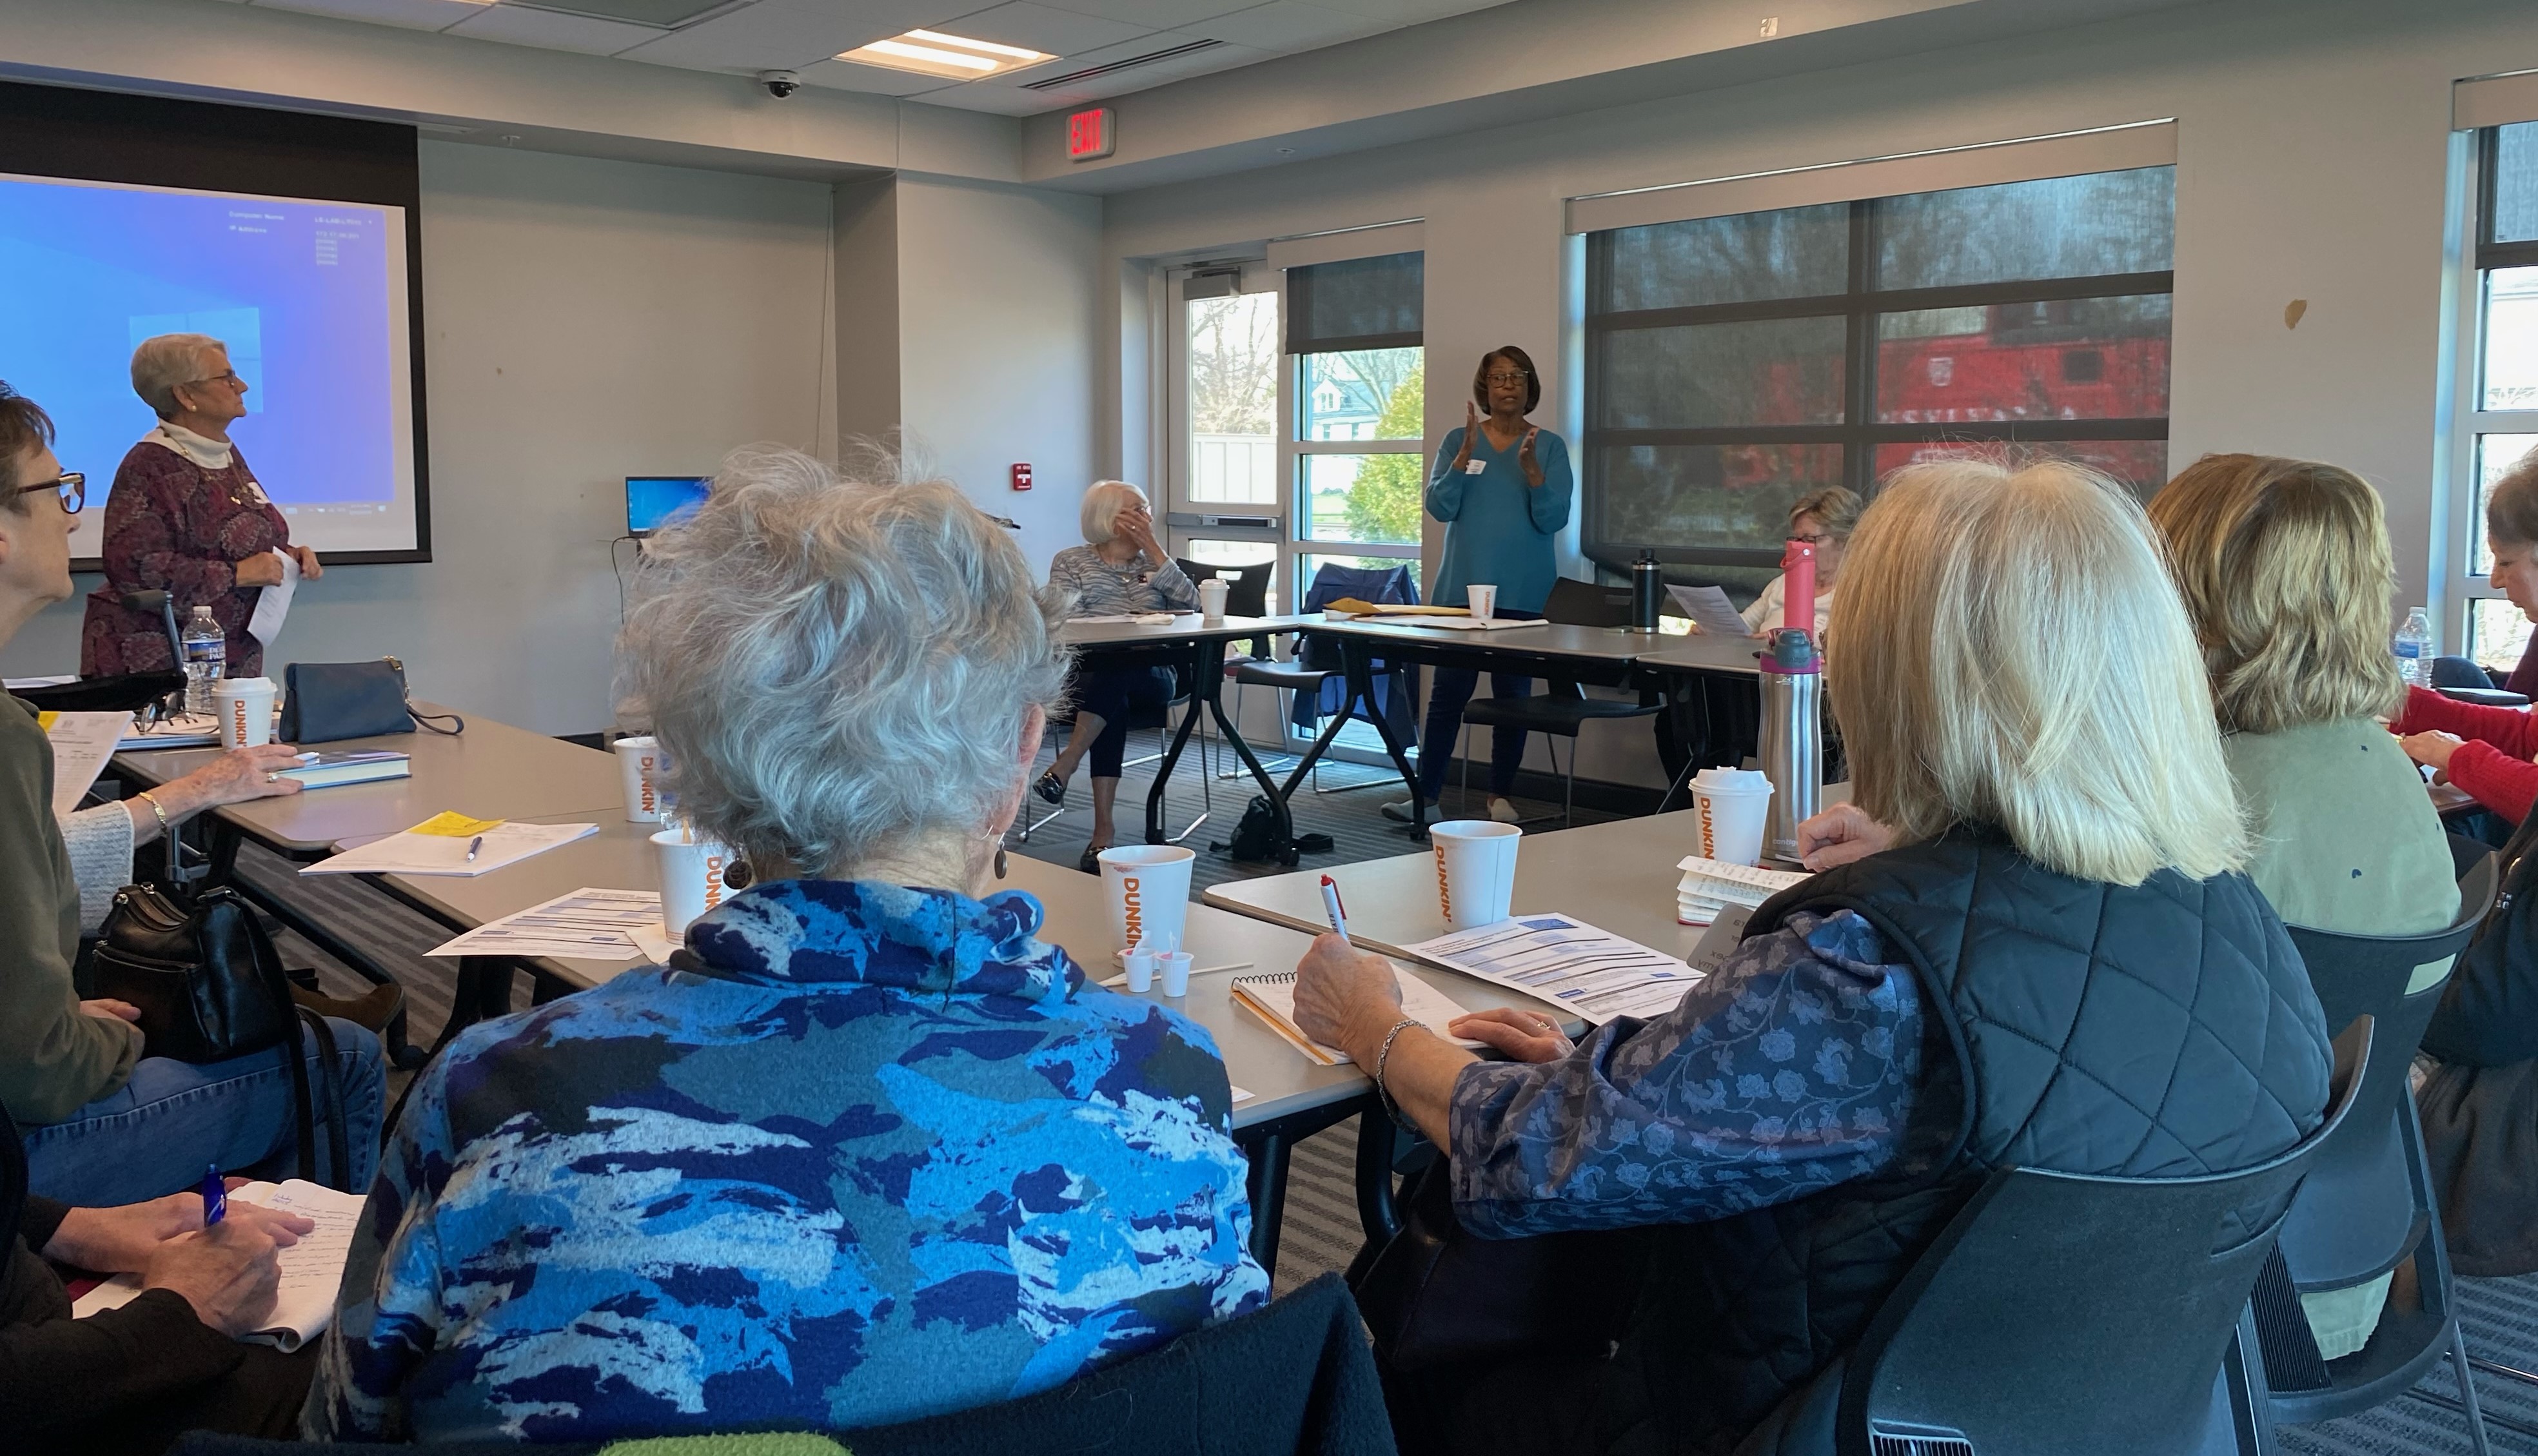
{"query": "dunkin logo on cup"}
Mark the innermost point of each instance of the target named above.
(713, 876)
(1445, 890)
(643, 766)
(1709, 831)
(1136, 909)
(238, 717)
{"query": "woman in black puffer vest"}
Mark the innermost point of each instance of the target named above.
(2032, 946)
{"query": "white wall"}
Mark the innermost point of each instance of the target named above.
(999, 289)
(585, 320)
(2313, 149)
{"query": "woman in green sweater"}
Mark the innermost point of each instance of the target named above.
(2286, 570)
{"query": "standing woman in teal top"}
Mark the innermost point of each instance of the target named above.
(1503, 489)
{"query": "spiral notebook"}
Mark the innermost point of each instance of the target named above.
(1272, 998)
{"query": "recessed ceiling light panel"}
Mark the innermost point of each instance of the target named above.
(935, 53)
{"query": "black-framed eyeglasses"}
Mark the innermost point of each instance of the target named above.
(71, 488)
(1505, 378)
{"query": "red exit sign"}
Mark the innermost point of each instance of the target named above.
(1092, 134)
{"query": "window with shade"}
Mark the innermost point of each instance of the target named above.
(2502, 404)
(1356, 412)
(1733, 364)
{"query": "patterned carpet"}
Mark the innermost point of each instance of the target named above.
(1320, 1233)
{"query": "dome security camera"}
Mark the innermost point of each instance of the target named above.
(779, 83)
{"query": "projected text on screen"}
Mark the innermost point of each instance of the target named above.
(310, 297)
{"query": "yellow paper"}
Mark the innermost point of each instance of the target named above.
(454, 825)
(46, 721)
(1360, 607)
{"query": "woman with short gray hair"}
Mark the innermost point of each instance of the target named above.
(868, 1149)
(186, 517)
(1121, 569)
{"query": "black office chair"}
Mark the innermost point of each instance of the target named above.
(1161, 721)
(2080, 1315)
(1566, 709)
(2463, 679)
(2367, 1206)
(1316, 667)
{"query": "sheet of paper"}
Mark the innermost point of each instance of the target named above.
(14, 683)
(412, 853)
(313, 1270)
(1454, 624)
(588, 924)
(1568, 963)
(655, 941)
(1722, 939)
(82, 743)
(1709, 609)
(273, 604)
(1240, 1096)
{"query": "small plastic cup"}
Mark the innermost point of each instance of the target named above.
(244, 706)
(1176, 967)
(1484, 601)
(1141, 970)
(1211, 600)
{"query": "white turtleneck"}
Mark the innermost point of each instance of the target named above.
(202, 449)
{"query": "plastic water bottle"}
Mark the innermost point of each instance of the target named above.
(207, 659)
(2415, 649)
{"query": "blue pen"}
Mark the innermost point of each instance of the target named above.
(216, 1196)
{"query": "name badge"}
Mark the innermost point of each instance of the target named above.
(1476, 467)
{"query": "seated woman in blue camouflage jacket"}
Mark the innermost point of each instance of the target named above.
(868, 1151)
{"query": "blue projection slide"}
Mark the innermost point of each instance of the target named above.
(309, 297)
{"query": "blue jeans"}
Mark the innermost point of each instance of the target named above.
(160, 1130)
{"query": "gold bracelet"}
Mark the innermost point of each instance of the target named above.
(155, 808)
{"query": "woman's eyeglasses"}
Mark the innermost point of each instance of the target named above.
(1505, 378)
(71, 489)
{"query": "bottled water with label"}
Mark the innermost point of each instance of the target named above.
(207, 659)
(2415, 649)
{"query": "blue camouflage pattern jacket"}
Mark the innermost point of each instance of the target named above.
(885, 1156)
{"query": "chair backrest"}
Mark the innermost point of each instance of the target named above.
(2356, 1215)
(1389, 586)
(2460, 672)
(1246, 587)
(2083, 1315)
(1586, 604)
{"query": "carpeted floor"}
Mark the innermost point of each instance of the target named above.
(1320, 1233)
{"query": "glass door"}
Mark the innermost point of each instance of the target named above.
(1227, 507)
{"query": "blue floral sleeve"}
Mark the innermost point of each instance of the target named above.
(1791, 1068)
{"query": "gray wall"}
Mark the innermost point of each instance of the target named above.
(2313, 148)
(585, 320)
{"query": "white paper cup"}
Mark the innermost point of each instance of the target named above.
(1211, 600)
(1141, 972)
(1731, 805)
(639, 761)
(1475, 870)
(244, 706)
(1175, 968)
(1484, 600)
(1148, 888)
(692, 878)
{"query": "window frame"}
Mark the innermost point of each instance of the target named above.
(1858, 434)
(2472, 422)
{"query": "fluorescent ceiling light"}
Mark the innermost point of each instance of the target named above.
(934, 53)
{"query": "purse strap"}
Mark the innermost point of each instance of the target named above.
(277, 986)
(427, 721)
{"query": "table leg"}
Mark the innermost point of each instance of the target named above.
(484, 992)
(1197, 667)
(1213, 676)
(1266, 1185)
(1358, 672)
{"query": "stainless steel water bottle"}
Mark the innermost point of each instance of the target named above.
(1792, 737)
(1647, 591)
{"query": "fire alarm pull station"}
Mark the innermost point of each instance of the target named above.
(1022, 476)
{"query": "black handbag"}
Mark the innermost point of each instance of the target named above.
(211, 987)
(1438, 1294)
(328, 702)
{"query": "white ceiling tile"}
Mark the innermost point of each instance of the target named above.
(1287, 24)
(987, 95)
(786, 34)
(419, 15)
(1219, 57)
(1042, 28)
(871, 80)
(545, 27)
(1158, 14)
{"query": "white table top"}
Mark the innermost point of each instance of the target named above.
(492, 770)
(1187, 626)
(1280, 1079)
(1610, 644)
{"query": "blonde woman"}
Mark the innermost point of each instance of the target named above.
(2032, 754)
(2286, 570)
(1119, 569)
(1824, 519)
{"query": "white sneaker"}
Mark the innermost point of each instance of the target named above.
(1399, 809)
(1505, 813)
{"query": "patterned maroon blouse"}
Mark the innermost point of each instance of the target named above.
(177, 525)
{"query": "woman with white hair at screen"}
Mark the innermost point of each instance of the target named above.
(868, 1149)
(1121, 569)
(2038, 950)
(186, 517)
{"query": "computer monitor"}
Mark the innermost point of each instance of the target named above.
(655, 501)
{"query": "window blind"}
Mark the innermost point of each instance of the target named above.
(1356, 304)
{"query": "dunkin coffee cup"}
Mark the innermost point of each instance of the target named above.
(1148, 889)
(639, 761)
(244, 706)
(1475, 870)
(1484, 602)
(1731, 804)
(1211, 600)
(695, 876)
